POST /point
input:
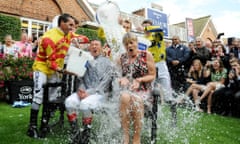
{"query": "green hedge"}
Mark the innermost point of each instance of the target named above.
(10, 25)
(90, 33)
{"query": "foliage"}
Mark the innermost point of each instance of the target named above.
(15, 68)
(90, 33)
(10, 25)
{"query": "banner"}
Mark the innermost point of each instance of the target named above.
(190, 29)
(159, 19)
(19, 91)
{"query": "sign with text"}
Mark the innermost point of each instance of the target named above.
(21, 90)
(190, 29)
(158, 18)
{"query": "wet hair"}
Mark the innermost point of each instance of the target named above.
(65, 18)
(129, 37)
(96, 39)
(147, 21)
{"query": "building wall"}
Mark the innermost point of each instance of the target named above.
(44, 10)
(72, 7)
(10, 6)
(140, 12)
(208, 33)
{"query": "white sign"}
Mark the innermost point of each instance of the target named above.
(77, 61)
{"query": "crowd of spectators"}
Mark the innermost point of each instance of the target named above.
(27, 46)
(211, 72)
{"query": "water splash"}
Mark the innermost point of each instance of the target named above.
(187, 119)
(106, 126)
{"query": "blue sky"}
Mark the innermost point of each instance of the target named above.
(225, 13)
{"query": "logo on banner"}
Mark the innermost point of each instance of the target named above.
(26, 89)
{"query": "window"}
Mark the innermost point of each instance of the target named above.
(33, 27)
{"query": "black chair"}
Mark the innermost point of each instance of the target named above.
(153, 116)
(50, 107)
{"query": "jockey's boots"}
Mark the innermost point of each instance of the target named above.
(85, 136)
(75, 132)
(32, 129)
(44, 128)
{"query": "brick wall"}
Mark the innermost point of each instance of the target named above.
(42, 9)
(72, 7)
(10, 6)
(39, 9)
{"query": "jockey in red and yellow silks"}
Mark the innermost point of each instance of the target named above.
(53, 49)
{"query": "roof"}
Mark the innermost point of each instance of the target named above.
(198, 24)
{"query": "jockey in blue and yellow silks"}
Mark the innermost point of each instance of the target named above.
(157, 48)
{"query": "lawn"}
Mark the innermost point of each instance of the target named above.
(193, 128)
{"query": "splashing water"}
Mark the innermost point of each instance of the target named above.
(106, 127)
(187, 118)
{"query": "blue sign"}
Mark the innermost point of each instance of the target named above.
(142, 46)
(158, 18)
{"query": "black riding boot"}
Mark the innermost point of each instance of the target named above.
(85, 135)
(32, 129)
(44, 128)
(75, 132)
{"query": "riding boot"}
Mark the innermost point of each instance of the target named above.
(32, 129)
(44, 128)
(85, 136)
(75, 132)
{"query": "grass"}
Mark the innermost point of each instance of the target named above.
(193, 128)
(202, 128)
